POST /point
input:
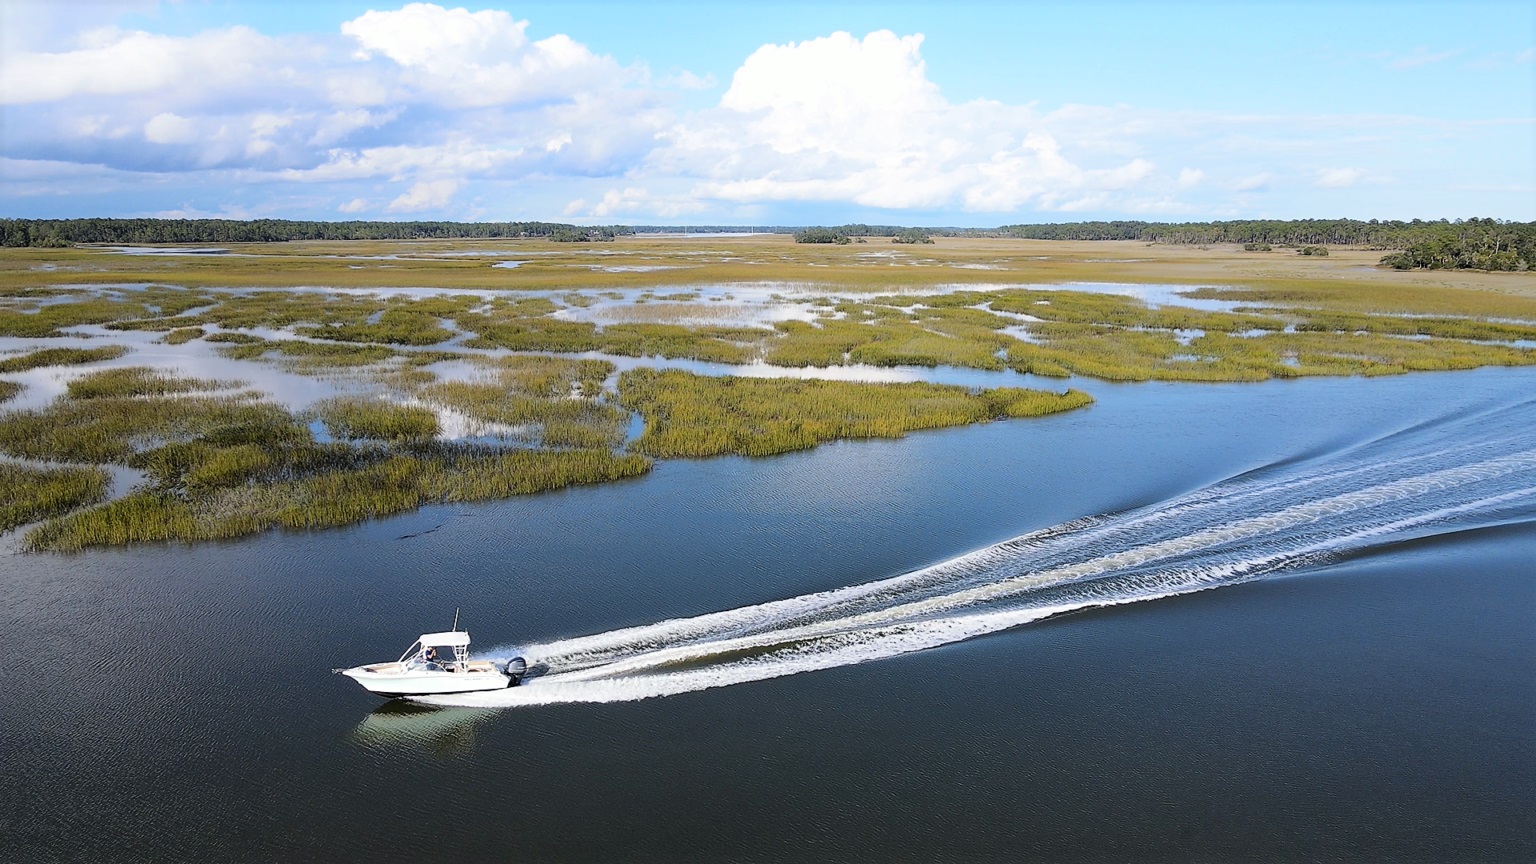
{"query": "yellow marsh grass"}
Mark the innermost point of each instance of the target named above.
(1346, 279)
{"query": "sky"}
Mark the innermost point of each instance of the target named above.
(963, 113)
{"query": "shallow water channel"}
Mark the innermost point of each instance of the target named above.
(1369, 700)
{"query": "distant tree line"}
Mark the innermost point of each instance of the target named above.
(62, 232)
(1373, 234)
(1476, 244)
(912, 235)
(823, 235)
(1484, 244)
(573, 234)
(715, 229)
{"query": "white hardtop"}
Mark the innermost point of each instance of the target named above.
(452, 638)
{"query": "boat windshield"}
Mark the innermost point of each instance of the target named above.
(424, 655)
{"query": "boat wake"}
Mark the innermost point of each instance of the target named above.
(1449, 475)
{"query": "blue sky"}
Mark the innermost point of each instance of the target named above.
(785, 113)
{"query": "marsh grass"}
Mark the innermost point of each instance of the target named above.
(61, 357)
(387, 484)
(224, 466)
(219, 467)
(28, 494)
(96, 308)
(1345, 280)
(355, 417)
(234, 337)
(673, 341)
(395, 326)
(534, 375)
(1327, 296)
(692, 415)
(113, 428)
(1107, 336)
(9, 390)
(139, 381)
(711, 344)
(182, 336)
(1372, 297)
(49, 321)
(1440, 328)
(560, 397)
(303, 357)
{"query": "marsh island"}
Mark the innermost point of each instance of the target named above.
(181, 393)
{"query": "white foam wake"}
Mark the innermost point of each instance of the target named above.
(1234, 531)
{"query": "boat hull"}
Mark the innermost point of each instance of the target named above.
(424, 682)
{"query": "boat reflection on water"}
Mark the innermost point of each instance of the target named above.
(399, 723)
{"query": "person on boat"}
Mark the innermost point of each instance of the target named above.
(429, 657)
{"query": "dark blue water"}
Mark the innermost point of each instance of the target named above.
(1361, 687)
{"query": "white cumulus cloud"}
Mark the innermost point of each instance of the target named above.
(477, 111)
(1253, 182)
(477, 58)
(1338, 178)
(841, 118)
(421, 94)
(167, 128)
(424, 195)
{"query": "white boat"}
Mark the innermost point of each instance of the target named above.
(423, 671)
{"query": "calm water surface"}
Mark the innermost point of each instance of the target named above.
(1373, 700)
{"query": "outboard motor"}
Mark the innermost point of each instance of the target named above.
(515, 669)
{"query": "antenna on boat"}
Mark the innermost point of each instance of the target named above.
(455, 618)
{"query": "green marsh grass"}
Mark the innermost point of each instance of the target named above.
(96, 308)
(9, 390)
(395, 326)
(691, 415)
(304, 357)
(28, 494)
(49, 321)
(234, 337)
(222, 466)
(1440, 328)
(558, 396)
(673, 341)
(388, 484)
(61, 357)
(1107, 336)
(356, 417)
(113, 428)
(139, 381)
(182, 336)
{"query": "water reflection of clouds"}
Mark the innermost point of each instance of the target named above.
(399, 724)
(708, 314)
(1152, 295)
(196, 358)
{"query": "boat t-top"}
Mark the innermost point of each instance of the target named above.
(437, 663)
